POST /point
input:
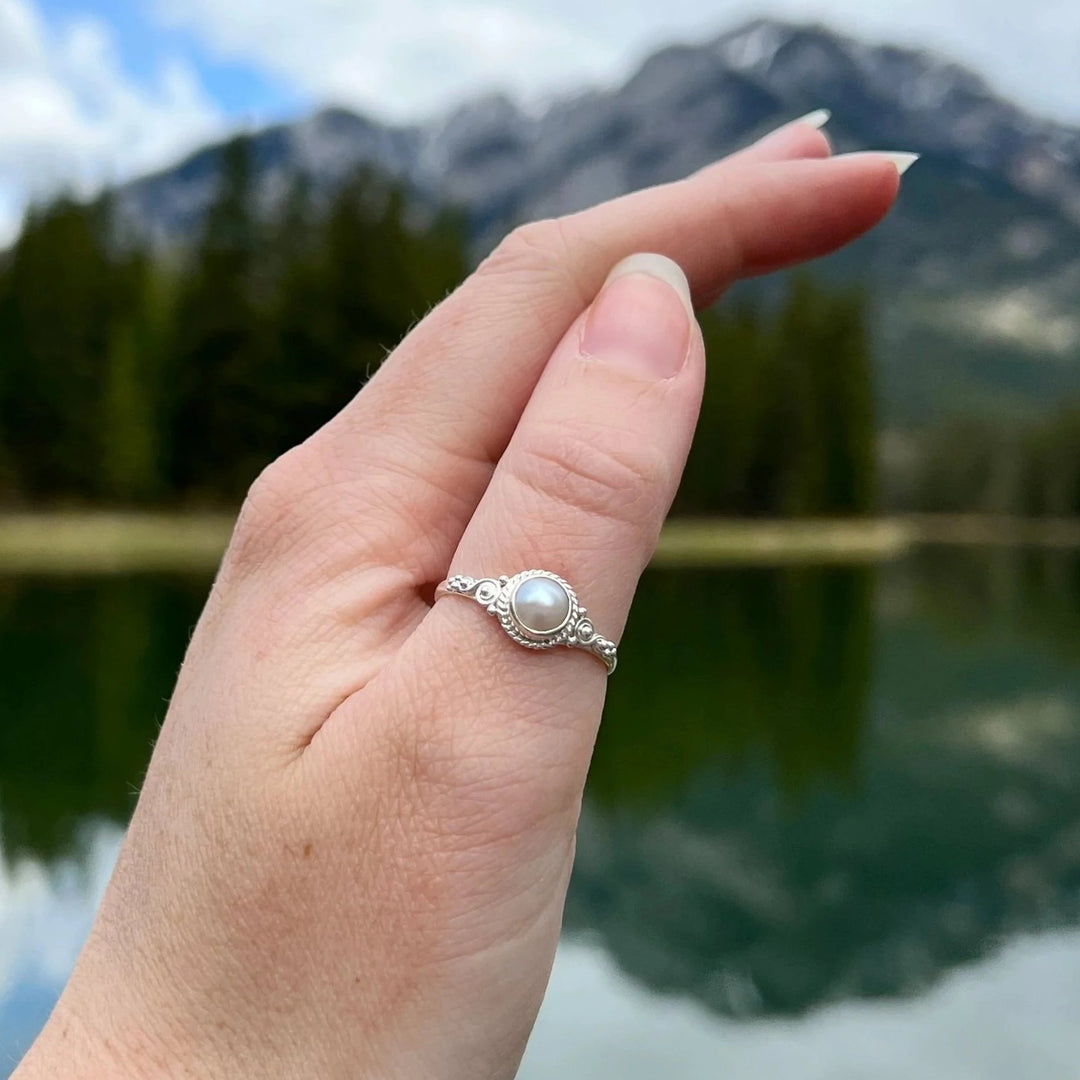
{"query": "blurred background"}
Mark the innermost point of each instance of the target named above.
(833, 826)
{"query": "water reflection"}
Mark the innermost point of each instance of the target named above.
(45, 914)
(812, 784)
(1012, 1016)
(829, 834)
(86, 670)
(738, 668)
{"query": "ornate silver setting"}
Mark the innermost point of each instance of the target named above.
(496, 596)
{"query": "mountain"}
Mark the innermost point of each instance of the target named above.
(975, 275)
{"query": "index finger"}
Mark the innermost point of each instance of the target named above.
(442, 408)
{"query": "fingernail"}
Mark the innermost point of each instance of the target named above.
(641, 319)
(816, 119)
(901, 159)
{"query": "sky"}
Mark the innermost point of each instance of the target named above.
(97, 91)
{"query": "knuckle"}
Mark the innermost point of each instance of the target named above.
(271, 514)
(543, 249)
(536, 243)
(594, 470)
(316, 513)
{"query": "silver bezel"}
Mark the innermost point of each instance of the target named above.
(504, 610)
(495, 596)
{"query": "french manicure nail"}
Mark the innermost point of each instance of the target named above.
(901, 159)
(816, 119)
(641, 319)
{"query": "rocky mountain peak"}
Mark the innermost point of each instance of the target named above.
(980, 256)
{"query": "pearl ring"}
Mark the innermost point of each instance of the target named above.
(537, 609)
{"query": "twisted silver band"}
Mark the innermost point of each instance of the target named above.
(537, 609)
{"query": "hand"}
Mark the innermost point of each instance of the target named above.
(351, 850)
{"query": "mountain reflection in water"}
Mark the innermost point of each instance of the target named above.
(812, 785)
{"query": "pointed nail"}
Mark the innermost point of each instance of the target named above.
(901, 159)
(816, 119)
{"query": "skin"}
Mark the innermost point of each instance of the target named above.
(352, 846)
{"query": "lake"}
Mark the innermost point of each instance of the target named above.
(832, 828)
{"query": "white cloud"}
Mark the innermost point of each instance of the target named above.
(46, 911)
(1013, 1014)
(70, 117)
(414, 57)
(398, 59)
(69, 114)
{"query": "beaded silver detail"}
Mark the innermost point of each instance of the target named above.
(496, 596)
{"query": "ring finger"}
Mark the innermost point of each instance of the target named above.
(581, 490)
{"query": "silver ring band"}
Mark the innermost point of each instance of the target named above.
(537, 609)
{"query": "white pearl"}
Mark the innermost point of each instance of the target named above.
(540, 605)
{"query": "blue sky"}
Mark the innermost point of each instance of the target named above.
(97, 91)
(144, 42)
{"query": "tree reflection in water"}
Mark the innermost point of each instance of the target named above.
(824, 783)
(86, 671)
(810, 784)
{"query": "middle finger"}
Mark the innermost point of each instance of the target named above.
(419, 443)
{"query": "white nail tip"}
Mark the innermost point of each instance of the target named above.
(657, 266)
(901, 159)
(816, 119)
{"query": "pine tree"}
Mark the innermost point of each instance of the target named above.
(56, 324)
(219, 425)
(128, 378)
(787, 421)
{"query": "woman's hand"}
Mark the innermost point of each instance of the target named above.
(351, 850)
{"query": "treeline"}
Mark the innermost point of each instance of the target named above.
(787, 424)
(132, 378)
(976, 465)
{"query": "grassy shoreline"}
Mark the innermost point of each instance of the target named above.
(102, 542)
(93, 542)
